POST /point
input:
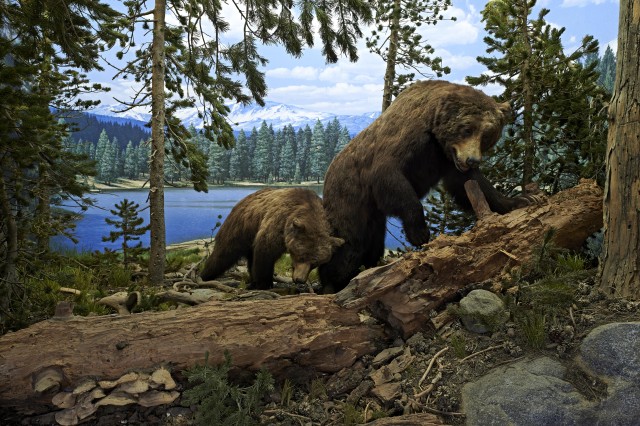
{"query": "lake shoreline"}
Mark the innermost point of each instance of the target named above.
(123, 183)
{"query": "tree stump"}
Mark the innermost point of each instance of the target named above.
(305, 334)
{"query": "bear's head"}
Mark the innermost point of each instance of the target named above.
(470, 123)
(309, 244)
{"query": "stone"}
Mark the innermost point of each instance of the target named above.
(482, 311)
(528, 392)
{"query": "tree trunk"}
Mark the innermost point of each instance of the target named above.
(392, 53)
(295, 335)
(9, 239)
(156, 165)
(621, 256)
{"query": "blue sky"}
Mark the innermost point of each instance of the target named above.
(356, 88)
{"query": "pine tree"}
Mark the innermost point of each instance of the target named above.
(45, 47)
(304, 152)
(397, 41)
(555, 99)
(607, 70)
(263, 154)
(129, 229)
(288, 155)
(343, 139)
(318, 154)
(217, 163)
(239, 168)
(130, 162)
(101, 148)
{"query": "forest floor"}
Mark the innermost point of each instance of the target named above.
(422, 374)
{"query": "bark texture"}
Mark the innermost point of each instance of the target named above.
(621, 256)
(292, 335)
(156, 162)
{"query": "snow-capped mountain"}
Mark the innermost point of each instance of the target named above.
(250, 116)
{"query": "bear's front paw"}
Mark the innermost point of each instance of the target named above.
(418, 237)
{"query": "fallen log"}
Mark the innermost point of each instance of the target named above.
(294, 335)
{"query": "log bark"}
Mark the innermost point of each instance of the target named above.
(291, 335)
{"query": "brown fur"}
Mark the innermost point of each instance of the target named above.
(266, 224)
(433, 131)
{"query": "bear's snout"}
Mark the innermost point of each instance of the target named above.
(473, 163)
(301, 272)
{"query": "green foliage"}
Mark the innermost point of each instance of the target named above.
(318, 390)
(396, 39)
(458, 344)
(222, 403)
(351, 415)
(129, 229)
(286, 393)
(559, 129)
(178, 259)
(532, 324)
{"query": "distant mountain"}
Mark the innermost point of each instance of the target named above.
(245, 117)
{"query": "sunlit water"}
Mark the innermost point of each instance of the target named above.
(189, 215)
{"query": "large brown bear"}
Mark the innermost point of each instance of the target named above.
(433, 131)
(266, 224)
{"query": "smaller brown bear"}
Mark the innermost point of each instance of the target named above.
(268, 223)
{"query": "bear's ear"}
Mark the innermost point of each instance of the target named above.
(298, 224)
(505, 110)
(337, 242)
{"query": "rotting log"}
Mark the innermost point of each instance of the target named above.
(295, 335)
(406, 292)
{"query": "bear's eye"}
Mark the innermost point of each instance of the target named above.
(466, 132)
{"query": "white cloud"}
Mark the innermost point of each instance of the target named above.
(583, 3)
(464, 30)
(339, 98)
(298, 72)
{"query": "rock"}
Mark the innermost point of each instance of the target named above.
(538, 391)
(482, 311)
(613, 350)
(528, 392)
(386, 355)
(387, 392)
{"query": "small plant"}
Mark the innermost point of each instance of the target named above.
(287, 393)
(351, 415)
(221, 403)
(129, 228)
(317, 390)
(532, 323)
(459, 345)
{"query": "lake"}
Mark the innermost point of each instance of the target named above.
(189, 215)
